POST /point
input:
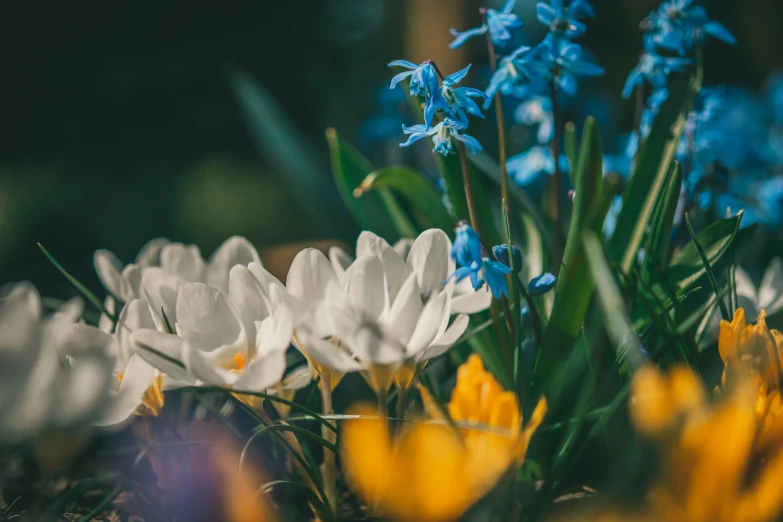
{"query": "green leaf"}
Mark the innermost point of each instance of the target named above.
(707, 269)
(687, 267)
(663, 216)
(378, 212)
(280, 143)
(571, 149)
(422, 196)
(653, 163)
(624, 338)
(575, 284)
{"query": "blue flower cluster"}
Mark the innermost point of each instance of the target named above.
(474, 262)
(455, 103)
(532, 74)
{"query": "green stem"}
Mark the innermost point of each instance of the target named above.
(493, 66)
(402, 402)
(471, 200)
(328, 468)
(557, 182)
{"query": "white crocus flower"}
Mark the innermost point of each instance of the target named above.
(768, 296)
(429, 257)
(236, 340)
(163, 267)
(37, 392)
(379, 331)
(138, 386)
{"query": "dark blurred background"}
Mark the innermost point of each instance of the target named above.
(119, 123)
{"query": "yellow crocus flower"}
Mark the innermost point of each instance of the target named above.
(723, 460)
(432, 472)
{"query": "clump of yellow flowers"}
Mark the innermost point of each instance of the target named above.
(722, 455)
(435, 469)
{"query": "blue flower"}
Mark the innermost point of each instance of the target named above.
(654, 69)
(495, 274)
(501, 254)
(424, 78)
(676, 24)
(541, 284)
(564, 61)
(511, 76)
(527, 167)
(467, 245)
(537, 111)
(441, 136)
(563, 17)
(498, 25)
(456, 103)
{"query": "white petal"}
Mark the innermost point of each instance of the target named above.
(262, 372)
(205, 368)
(309, 275)
(184, 261)
(161, 289)
(771, 289)
(403, 247)
(472, 301)
(274, 332)
(131, 274)
(405, 311)
(83, 393)
(340, 260)
(366, 287)
(247, 295)
(109, 267)
(372, 347)
(328, 354)
(443, 342)
(745, 286)
(370, 243)
(205, 316)
(428, 325)
(135, 315)
(105, 323)
(429, 257)
(136, 379)
(298, 378)
(20, 315)
(167, 348)
(149, 255)
(81, 341)
(267, 280)
(234, 251)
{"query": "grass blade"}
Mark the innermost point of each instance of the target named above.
(708, 269)
(92, 298)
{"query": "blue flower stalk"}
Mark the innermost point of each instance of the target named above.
(455, 103)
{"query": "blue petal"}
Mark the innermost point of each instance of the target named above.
(469, 141)
(546, 15)
(541, 284)
(402, 63)
(455, 78)
(720, 32)
(508, 6)
(419, 127)
(462, 37)
(567, 83)
(397, 79)
(413, 138)
(634, 78)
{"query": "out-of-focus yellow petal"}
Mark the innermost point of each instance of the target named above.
(367, 454)
(657, 400)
